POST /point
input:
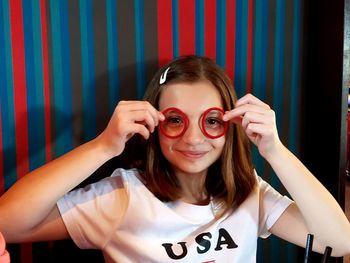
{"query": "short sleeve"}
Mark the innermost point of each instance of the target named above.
(272, 206)
(91, 214)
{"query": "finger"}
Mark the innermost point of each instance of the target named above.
(243, 110)
(140, 129)
(251, 99)
(132, 106)
(250, 131)
(254, 117)
(144, 118)
(255, 129)
(156, 115)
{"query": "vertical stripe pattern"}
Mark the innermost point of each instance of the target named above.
(1, 160)
(66, 64)
(19, 87)
(7, 99)
(46, 79)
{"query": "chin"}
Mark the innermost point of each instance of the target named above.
(191, 168)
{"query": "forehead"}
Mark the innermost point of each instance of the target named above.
(190, 97)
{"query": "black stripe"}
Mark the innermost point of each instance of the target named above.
(76, 71)
(151, 39)
(127, 49)
(270, 52)
(101, 63)
(50, 62)
(287, 69)
(270, 62)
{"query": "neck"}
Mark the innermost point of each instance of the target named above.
(193, 188)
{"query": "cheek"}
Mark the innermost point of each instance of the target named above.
(165, 144)
(219, 143)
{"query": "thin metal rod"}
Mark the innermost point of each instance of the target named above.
(326, 254)
(308, 247)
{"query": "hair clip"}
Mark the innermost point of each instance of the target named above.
(162, 78)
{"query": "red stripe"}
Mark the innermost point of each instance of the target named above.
(20, 95)
(2, 180)
(250, 46)
(230, 37)
(210, 29)
(165, 31)
(19, 83)
(187, 27)
(47, 102)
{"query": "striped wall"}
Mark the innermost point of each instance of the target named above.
(64, 64)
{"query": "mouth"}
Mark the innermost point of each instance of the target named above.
(193, 154)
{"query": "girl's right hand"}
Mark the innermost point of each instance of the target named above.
(129, 117)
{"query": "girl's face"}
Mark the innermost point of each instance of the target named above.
(193, 152)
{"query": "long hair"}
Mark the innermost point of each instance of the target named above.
(231, 178)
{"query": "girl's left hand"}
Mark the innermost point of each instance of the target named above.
(258, 121)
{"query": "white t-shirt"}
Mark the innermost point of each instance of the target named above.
(120, 216)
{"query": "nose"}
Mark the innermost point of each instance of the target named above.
(193, 134)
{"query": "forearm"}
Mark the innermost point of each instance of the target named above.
(323, 216)
(32, 198)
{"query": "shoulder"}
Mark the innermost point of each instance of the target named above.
(126, 176)
(118, 182)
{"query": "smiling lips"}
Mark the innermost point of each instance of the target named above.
(193, 154)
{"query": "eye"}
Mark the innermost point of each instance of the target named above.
(174, 120)
(212, 122)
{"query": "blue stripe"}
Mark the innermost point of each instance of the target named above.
(30, 78)
(112, 42)
(241, 46)
(244, 40)
(61, 77)
(7, 98)
(260, 251)
(199, 27)
(259, 64)
(260, 49)
(39, 83)
(293, 126)
(57, 73)
(291, 253)
(275, 249)
(259, 80)
(140, 53)
(34, 82)
(88, 69)
(175, 17)
(67, 83)
(221, 33)
(67, 80)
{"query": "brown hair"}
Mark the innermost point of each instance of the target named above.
(231, 178)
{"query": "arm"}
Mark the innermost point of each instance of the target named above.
(316, 211)
(28, 209)
(322, 214)
(31, 201)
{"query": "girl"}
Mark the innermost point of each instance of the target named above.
(191, 193)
